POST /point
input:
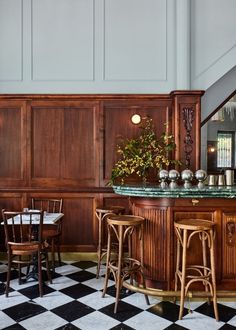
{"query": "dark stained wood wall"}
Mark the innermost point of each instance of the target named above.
(65, 146)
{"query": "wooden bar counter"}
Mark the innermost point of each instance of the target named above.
(161, 207)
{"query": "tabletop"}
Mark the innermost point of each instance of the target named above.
(48, 219)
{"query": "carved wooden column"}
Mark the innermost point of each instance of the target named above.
(186, 124)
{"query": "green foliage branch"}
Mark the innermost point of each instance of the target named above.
(139, 155)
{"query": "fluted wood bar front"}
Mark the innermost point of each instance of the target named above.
(161, 207)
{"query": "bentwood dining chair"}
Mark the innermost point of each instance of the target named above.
(51, 233)
(25, 246)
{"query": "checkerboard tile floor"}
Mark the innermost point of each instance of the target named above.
(73, 301)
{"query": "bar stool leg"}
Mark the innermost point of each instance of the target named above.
(183, 275)
(204, 257)
(107, 261)
(119, 266)
(99, 250)
(212, 261)
(177, 267)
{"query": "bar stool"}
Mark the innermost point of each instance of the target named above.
(185, 229)
(125, 267)
(101, 214)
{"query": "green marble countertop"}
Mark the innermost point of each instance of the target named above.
(155, 191)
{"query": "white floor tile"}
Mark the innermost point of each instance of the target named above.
(62, 282)
(67, 269)
(13, 299)
(233, 321)
(96, 301)
(5, 321)
(147, 321)
(14, 284)
(138, 300)
(98, 284)
(44, 321)
(95, 320)
(197, 321)
(53, 300)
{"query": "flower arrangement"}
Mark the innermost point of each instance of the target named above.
(139, 155)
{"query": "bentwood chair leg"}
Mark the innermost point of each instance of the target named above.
(141, 231)
(99, 249)
(19, 272)
(177, 267)
(119, 266)
(8, 274)
(48, 268)
(205, 264)
(40, 281)
(58, 251)
(107, 262)
(182, 296)
(53, 254)
(213, 274)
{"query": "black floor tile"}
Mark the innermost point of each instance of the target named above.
(32, 292)
(15, 326)
(225, 313)
(85, 264)
(23, 311)
(174, 326)
(68, 327)
(124, 311)
(111, 290)
(167, 310)
(14, 275)
(122, 326)
(227, 327)
(81, 276)
(72, 311)
(77, 291)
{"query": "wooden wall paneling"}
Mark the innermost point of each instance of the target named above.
(13, 143)
(118, 125)
(64, 143)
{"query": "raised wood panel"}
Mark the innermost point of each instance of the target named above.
(79, 226)
(118, 125)
(64, 141)
(229, 245)
(12, 143)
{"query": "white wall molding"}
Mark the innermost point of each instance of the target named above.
(11, 40)
(111, 46)
(183, 44)
(213, 41)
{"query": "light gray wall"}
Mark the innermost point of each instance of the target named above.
(114, 46)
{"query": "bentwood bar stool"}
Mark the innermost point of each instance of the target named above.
(185, 230)
(101, 214)
(124, 267)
